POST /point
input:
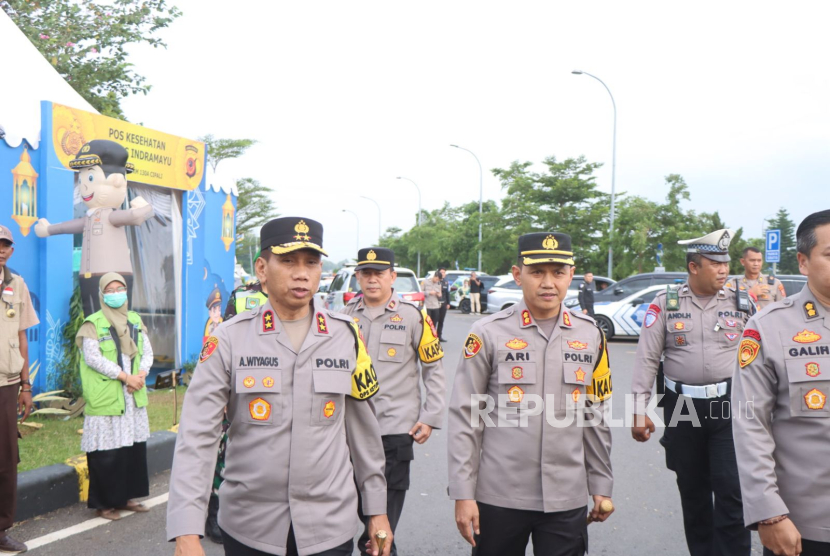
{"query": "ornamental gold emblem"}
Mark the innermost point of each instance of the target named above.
(550, 243)
(371, 256)
(302, 231)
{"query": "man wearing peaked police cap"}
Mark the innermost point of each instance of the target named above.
(783, 445)
(400, 337)
(295, 379)
(531, 468)
(696, 328)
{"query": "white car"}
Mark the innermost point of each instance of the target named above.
(625, 316)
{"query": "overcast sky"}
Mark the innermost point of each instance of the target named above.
(345, 96)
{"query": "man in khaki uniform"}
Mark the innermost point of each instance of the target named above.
(398, 335)
(697, 329)
(16, 316)
(295, 379)
(782, 431)
(528, 439)
(764, 289)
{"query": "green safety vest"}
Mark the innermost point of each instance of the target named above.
(247, 300)
(103, 395)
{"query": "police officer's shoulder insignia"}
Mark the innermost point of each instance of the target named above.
(472, 345)
(364, 379)
(429, 348)
(600, 388)
(566, 319)
(251, 302)
(268, 321)
(651, 315)
(526, 320)
(208, 348)
(322, 327)
(781, 289)
(749, 348)
(810, 310)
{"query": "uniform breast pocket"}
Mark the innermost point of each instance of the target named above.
(678, 333)
(330, 390)
(392, 346)
(520, 372)
(10, 311)
(809, 387)
(260, 398)
(15, 358)
(729, 332)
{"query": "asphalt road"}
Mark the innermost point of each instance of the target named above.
(647, 518)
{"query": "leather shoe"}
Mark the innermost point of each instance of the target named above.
(11, 546)
(442, 340)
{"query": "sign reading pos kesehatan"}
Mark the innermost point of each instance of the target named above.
(159, 158)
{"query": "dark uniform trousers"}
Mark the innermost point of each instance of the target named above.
(399, 456)
(808, 548)
(235, 548)
(8, 455)
(505, 532)
(704, 460)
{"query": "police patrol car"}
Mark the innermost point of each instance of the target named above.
(625, 317)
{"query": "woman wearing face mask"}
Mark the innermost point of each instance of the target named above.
(116, 358)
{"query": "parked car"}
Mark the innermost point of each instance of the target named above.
(627, 286)
(506, 292)
(624, 317)
(344, 288)
(462, 302)
(323, 290)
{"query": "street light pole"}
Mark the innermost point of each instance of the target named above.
(480, 197)
(377, 205)
(357, 236)
(419, 219)
(613, 173)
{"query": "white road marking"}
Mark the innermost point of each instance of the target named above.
(87, 525)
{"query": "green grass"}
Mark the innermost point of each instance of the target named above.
(59, 440)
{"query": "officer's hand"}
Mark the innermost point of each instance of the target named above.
(584, 311)
(24, 404)
(597, 514)
(420, 432)
(189, 545)
(782, 538)
(379, 523)
(42, 228)
(466, 515)
(642, 433)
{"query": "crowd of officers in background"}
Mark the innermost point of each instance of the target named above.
(333, 401)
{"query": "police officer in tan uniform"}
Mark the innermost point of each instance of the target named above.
(697, 329)
(528, 439)
(398, 336)
(16, 316)
(782, 430)
(764, 289)
(295, 379)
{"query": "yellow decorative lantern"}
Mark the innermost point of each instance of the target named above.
(227, 223)
(25, 193)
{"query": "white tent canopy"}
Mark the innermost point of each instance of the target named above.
(27, 79)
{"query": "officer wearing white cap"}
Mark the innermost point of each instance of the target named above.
(530, 468)
(295, 378)
(783, 445)
(696, 328)
(404, 347)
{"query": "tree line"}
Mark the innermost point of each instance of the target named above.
(565, 198)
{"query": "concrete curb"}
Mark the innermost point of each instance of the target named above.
(43, 490)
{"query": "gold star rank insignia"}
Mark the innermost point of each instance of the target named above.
(321, 324)
(268, 321)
